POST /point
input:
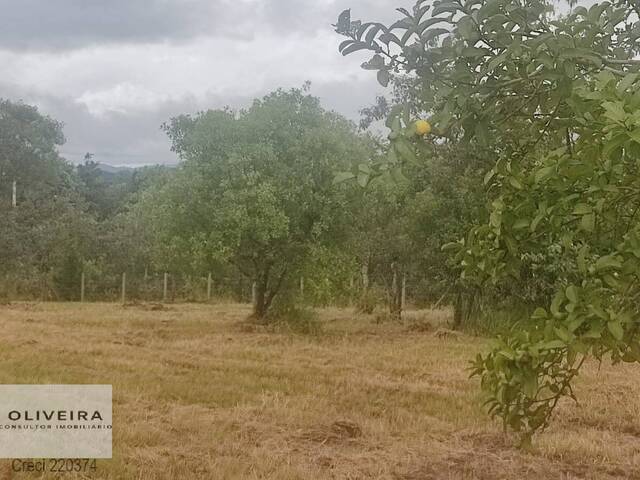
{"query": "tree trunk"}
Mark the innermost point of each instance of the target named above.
(365, 304)
(266, 292)
(395, 300)
(259, 304)
(365, 275)
(457, 311)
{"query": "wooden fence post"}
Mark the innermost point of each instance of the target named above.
(82, 287)
(164, 287)
(254, 294)
(124, 288)
(404, 291)
(209, 288)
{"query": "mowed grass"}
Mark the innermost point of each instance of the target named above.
(199, 394)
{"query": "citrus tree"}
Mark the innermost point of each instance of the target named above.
(550, 96)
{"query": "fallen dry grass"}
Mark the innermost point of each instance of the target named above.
(199, 396)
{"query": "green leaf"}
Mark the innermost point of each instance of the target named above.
(595, 12)
(536, 221)
(515, 183)
(371, 34)
(628, 80)
(572, 293)
(583, 54)
(404, 23)
(363, 167)
(444, 7)
(433, 33)
(558, 299)
(427, 23)
(616, 330)
(342, 177)
(488, 176)
(539, 314)
(363, 179)
(354, 47)
(588, 223)
(383, 77)
(574, 324)
(520, 224)
(553, 344)
(451, 246)
(376, 63)
(467, 28)
(496, 61)
(607, 262)
(635, 135)
(405, 150)
(615, 143)
(544, 173)
(582, 209)
(344, 21)
(615, 111)
(563, 334)
(599, 312)
(472, 52)
(398, 176)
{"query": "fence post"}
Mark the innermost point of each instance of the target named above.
(253, 294)
(164, 288)
(124, 288)
(404, 291)
(302, 286)
(82, 287)
(209, 288)
(352, 292)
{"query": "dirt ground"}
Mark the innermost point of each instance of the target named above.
(199, 394)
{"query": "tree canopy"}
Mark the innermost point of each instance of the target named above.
(551, 100)
(256, 187)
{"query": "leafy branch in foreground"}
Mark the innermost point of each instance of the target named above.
(551, 101)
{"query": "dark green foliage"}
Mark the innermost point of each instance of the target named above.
(256, 190)
(48, 235)
(550, 102)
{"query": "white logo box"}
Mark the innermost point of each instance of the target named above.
(55, 421)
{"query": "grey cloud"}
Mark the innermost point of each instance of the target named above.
(114, 139)
(42, 33)
(62, 24)
(137, 139)
(48, 25)
(348, 97)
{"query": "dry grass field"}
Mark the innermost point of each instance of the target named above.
(198, 394)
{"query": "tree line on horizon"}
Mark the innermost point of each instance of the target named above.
(259, 201)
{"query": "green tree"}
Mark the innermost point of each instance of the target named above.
(552, 99)
(256, 188)
(28, 148)
(48, 235)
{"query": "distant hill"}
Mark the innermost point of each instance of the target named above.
(112, 169)
(115, 170)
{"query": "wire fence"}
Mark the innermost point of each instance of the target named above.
(125, 287)
(172, 287)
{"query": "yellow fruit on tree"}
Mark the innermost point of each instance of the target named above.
(423, 127)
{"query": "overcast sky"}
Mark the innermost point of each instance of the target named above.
(114, 70)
